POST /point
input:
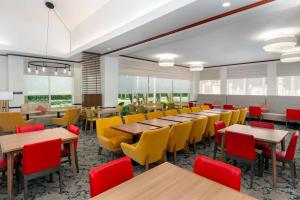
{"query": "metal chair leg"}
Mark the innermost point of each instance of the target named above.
(76, 161)
(215, 151)
(252, 172)
(25, 187)
(292, 173)
(60, 173)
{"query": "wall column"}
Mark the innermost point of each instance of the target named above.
(110, 80)
(195, 85)
(272, 79)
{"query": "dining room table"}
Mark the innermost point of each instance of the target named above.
(176, 118)
(14, 143)
(58, 111)
(168, 181)
(159, 122)
(102, 111)
(190, 115)
(134, 129)
(263, 135)
(31, 112)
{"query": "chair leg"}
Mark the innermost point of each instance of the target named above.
(60, 174)
(112, 155)
(234, 163)
(260, 166)
(215, 151)
(295, 169)
(25, 187)
(100, 150)
(194, 145)
(187, 149)
(69, 159)
(147, 163)
(174, 155)
(252, 173)
(164, 158)
(91, 127)
(85, 127)
(291, 163)
(51, 177)
(76, 161)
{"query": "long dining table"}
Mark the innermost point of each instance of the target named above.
(168, 181)
(264, 135)
(14, 143)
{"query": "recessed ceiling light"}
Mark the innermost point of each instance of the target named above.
(166, 62)
(226, 4)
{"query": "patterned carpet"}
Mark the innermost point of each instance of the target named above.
(78, 188)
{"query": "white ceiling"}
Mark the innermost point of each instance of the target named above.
(234, 39)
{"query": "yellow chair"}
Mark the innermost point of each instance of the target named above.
(196, 109)
(91, 118)
(10, 120)
(210, 128)
(150, 148)
(109, 138)
(170, 112)
(129, 119)
(71, 117)
(154, 115)
(184, 110)
(205, 107)
(131, 109)
(226, 117)
(242, 116)
(140, 109)
(198, 130)
(234, 117)
(178, 138)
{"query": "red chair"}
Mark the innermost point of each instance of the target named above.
(209, 104)
(109, 175)
(260, 124)
(66, 148)
(228, 107)
(218, 171)
(41, 159)
(287, 156)
(255, 111)
(218, 138)
(30, 128)
(241, 147)
(292, 115)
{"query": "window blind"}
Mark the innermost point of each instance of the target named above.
(288, 69)
(91, 74)
(210, 74)
(249, 71)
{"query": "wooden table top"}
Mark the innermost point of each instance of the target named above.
(168, 181)
(208, 114)
(159, 122)
(216, 111)
(191, 116)
(272, 136)
(31, 112)
(134, 128)
(107, 110)
(16, 142)
(176, 118)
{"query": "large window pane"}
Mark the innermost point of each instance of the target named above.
(236, 86)
(256, 86)
(210, 87)
(36, 85)
(288, 86)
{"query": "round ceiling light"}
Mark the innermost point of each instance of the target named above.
(280, 44)
(226, 4)
(166, 62)
(196, 66)
(291, 56)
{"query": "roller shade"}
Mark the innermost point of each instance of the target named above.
(210, 74)
(249, 71)
(288, 69)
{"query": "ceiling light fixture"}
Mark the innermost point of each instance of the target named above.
(69, 72)
(56, 72)
(196, 66)
(226, 4)
(290, 56)
(28, 69)
(36, 71)
(166, 62)
(280, 44)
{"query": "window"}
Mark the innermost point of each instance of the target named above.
(288, 85)
(56, 90)
(247, 86)
(210, 87)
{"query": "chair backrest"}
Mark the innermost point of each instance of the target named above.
(72, 115)
(171, 105)
(89, 113)
(255, 111)
(290, 152)
(179, 135)
(234, 117)
(109, 175)
(134, 118)
(103, 125)
(154, 115)
(184, 110)
(198, 129)
(228, 107)
(75, 130)
(153, 143)
(205, 107)
(10, 120)
(226, 117)
(30, 128)
(41, 156)
(292, 114)
(196, 109)
(217, 171)
(209, 104)
(242, 116)
(131, 108)
(170, 112)
(262, 124)
(240, 145)
(140, 109)
(210, 127)
(218, 126)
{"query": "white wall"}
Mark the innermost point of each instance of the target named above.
(77, 98)
(3, 73)
(110, 80)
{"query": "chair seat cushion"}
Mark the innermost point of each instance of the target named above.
(118, 139)
(279, 154)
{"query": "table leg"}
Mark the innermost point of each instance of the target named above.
(274, 170)
(27, 116)
(10, 168)
(223, 146)
(58, 114)
(73, 161)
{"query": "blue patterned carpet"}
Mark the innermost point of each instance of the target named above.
(78, 188)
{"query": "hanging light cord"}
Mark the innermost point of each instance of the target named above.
(47, 33)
